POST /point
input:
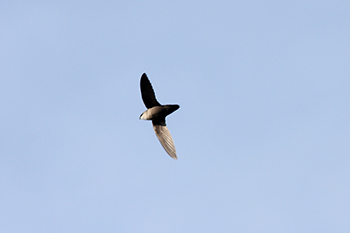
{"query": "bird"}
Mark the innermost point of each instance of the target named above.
(157, 112)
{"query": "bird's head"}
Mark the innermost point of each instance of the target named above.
(143, 116)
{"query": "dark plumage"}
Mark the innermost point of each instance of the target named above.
(157, 113)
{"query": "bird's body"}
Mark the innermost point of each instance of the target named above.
(157, 113)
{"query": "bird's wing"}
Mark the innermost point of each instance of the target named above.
(164, 136)
(147, 92)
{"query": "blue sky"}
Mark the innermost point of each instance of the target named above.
(262, 134)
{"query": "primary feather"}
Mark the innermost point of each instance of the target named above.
(164, 137)
(147, 92)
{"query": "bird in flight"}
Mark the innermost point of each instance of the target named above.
(157, 113)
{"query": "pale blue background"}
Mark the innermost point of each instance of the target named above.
(262, 134)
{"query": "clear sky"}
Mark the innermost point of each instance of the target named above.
(262, 134)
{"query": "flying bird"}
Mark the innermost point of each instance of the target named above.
(157, 113)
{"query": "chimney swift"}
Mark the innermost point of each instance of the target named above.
(157, 113)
